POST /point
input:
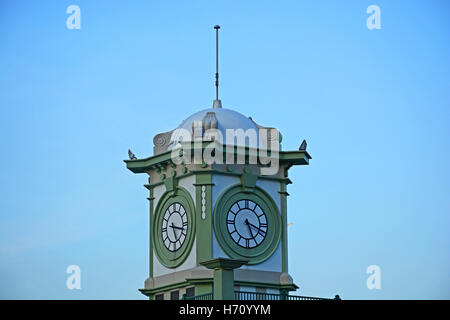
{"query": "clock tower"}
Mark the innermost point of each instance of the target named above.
(218, 207)
(204, 208)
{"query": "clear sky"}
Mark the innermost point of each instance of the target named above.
(374, 106)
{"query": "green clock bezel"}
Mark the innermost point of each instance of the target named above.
(268, 246)
(172, 259)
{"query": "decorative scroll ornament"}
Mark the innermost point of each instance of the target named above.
(161, 142)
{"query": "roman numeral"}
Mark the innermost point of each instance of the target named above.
(230, 221)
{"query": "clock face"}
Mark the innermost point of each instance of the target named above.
(247, 223)
(174, 226)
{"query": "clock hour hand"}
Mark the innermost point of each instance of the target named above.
(248, 225)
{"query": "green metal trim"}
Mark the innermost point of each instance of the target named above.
(202, 285)
(266, 249)
(166, 257)
(171, 183)
(151, 186)
(151, 218)
(236, 174)
(204, 296)
(200, 280)
(215, 171)
(203, 288)
(290, 287)
(223, 263)
(162, 160)
(143, 165)
(245, 295)
(169, 287)
(203, 177)
(295, 157)
(248, 180)
(284, 238)
(178, 177)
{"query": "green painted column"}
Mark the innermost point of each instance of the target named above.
(284, 240)
(223, 276)
(203, 189)
(223, 284)
(151, 202)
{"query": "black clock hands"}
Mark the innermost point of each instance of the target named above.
(247, 224)
(249, 229)
(260, 231)
(175, 227)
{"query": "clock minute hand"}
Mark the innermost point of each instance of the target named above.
(249, 229)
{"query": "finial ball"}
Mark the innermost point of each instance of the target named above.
(216, 27)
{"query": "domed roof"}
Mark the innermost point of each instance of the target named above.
(226, 119)
(222, 119)
(214, 124)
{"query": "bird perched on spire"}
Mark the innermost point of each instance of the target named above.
(131, 155)
(303, 146)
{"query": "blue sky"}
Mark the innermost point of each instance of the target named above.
(374, 106)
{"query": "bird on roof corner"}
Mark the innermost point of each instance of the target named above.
(131, 155)
(303, 146)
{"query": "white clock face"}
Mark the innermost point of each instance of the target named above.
(247, 223)
(174, 226)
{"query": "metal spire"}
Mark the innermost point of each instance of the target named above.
(217, 103)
